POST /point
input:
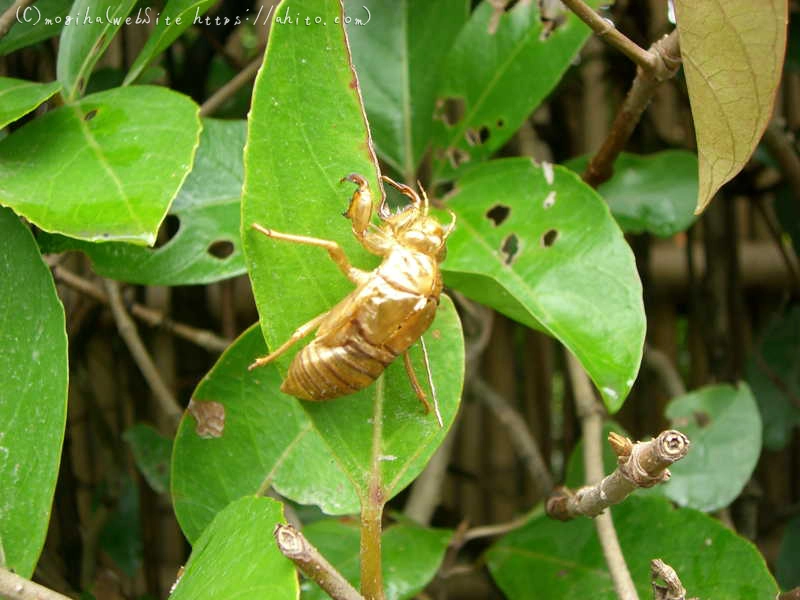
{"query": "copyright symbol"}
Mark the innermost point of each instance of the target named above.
(29, 14)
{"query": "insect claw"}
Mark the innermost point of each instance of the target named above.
(354, 178)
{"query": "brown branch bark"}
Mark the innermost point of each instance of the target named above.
(223, 94)
(294, 546)
(14, 587)
(207, 340)
(660, 364)
(779, 146)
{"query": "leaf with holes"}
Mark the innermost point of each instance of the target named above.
(173, 20)
(564, 560)
(33, 394)
(411, 555)
(19, 97)
(33, 24)
(653, 192)
(267, 440)
(399, 55)
(236, 557)
(733, 57)
(114, 160)
(540, 246)
(83, 42)
(206, 247)
(503, 64)
(296, 153)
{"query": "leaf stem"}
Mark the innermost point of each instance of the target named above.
(14, 587)
(371, 574)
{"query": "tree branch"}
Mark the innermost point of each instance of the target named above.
(294, 546)
(660, 363)
(227, 91)
(14, 587)
(8, 18)
(779, 146)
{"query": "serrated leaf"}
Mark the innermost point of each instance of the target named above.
(541, 247)
(564, 560)
(733, 59)
(33, 394)
(114, 161)
(297, 151)
(399, 54)
(82, 44)
(173, 20)
(411, 556)
(19, 97)
(654, 192)
(151, 451)
(34, 24)
(236, 557)
(207, 208)
(268, 440)
(497, 78)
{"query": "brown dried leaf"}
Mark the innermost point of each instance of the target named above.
(210, 417)
(732, 52)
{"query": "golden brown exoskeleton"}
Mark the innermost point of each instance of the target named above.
(388, 311)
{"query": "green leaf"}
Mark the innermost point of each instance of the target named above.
(773, 371)
(19, 97)
(541, 247)
(236, 557)
(496, 79)
(36, 23)
(207, 210)
(83, 42)
(411, 556)
(114, 162)
(399, 54)
(121, 535)
(173, 20)
(564, 560)
(268, 440)
(152, 452)
(786, 570)
(733, 59)
(654, 192)
(724, 427)
(33, 394)
(297, 151)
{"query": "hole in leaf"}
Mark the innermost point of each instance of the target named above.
(168, 230)
(550, 200)
(500, 123)
(457, 157)
(549, 238)
(90, 115)
(221, 249)
(510, 248)
(498, 213)
(477, 137)
(450, 110)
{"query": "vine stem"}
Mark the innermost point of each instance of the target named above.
(14, 587)
(371, 574)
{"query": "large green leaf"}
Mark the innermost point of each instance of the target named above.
(35, 23)
(236, 557)
(19, 97)
(411, 556)
(104, 168)
(268, 440)
(494, 80)
(653, 192)
(296, 153)
(551, 559)
(172, 21)
(398, 54)
(540, 246)
(33, 394)
(207, 209)
(83, 42)
(773, 371)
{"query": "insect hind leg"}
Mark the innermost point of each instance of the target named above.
(298, 335)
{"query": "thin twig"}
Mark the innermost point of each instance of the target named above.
(14, 587)
(591, 415)
(224, 93)
(667, 51)
(201, 337)
(781, 149)
(659, 362)
(606, 30)
(519, 434)
(127, 329)
(641, 465)
(294, 546)
(494, 530)
(9, 17)
(788, 256)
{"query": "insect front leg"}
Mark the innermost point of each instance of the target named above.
(298, 335)
(360, 209)
(335, 251)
